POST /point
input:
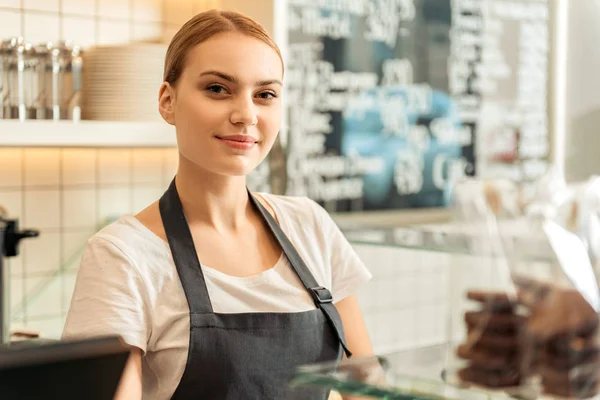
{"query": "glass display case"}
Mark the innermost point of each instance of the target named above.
(475, 259)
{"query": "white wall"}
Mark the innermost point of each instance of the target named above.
(583, 90)
(259, 10)
(405, 304)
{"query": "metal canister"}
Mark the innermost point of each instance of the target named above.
(42, 82)
(67, 68)
(9, 77)
(3, 79)
(21, 66)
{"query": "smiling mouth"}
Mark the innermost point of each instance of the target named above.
(238, 142)
(239, 138)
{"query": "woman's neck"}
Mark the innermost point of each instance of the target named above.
(218, 201)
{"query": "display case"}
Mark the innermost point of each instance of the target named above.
(472, 258)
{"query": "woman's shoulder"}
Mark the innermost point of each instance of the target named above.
(129, 236)
(293, 201)
(294, 207)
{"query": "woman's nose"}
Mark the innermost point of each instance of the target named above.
(244, 112)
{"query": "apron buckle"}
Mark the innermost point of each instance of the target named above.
(321, 295)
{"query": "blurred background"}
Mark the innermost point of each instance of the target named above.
(388, 105)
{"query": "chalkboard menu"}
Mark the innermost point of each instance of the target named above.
(499, 79)
(385, 97)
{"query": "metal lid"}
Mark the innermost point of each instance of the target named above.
(43, 49)
(25, 48)
(65, 49)
(9, 45)
(16, 44)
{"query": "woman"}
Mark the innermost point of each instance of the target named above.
(221, 293)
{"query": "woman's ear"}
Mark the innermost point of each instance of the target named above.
(166, 97)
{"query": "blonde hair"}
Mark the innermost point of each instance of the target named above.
(202, 27)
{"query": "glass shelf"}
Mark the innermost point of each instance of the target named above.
(453, 238)
(417, 374)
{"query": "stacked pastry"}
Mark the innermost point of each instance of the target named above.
(565, 328)
(557, 340)
(493, 348)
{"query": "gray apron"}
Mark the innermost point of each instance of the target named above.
(249, 355)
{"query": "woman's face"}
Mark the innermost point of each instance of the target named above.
(226, 105)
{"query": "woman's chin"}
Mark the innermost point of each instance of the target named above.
(241, 169)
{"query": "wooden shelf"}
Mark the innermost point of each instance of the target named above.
(86, 134)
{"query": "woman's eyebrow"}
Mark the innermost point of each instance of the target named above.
(236, 81)
(269, 82)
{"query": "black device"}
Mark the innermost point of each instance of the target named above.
(10, 237)
(84, 369)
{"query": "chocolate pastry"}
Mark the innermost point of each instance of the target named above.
(570, 367)
(583, 373)
(562, 313)
(570, 383)
(560, 335)
(486, 359)
(568, 345)
(565, 360)
(478, 337)
(490, 378)
(493, 346)
(492, 301)
(493, 322)
(565, 329)
(567, 363)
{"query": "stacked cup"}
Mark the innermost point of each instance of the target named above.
(121, 82)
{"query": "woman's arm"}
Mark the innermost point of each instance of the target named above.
(130, 385)
(110, 299)
(357, 336)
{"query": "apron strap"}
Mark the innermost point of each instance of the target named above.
(184, 252)
(321, 296)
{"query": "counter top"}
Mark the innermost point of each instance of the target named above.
(416, 374)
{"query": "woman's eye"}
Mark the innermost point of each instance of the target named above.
(218, 89)
(267, 95)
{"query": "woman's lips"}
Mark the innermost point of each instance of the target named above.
(240, 142)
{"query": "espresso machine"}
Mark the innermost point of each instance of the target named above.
(10, 236)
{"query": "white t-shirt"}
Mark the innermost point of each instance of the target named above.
(128, 285)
